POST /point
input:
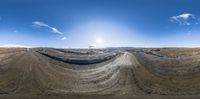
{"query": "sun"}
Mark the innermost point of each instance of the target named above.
(99, 40)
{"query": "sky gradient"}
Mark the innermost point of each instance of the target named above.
(100, 23)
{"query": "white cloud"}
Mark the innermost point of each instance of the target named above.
(39, 24)
(13, 45)
(64, 38)
(56, 30)
(183, 19)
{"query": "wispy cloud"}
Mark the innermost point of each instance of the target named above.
(40, 24)
(63, 38)
(184, 19)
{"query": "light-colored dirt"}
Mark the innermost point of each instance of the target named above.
(30, 74)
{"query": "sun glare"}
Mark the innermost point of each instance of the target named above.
(99, 40)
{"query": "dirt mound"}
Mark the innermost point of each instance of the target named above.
(89, 57)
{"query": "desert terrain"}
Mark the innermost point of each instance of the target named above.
(136, 73)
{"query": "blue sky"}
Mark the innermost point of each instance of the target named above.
(101, 23)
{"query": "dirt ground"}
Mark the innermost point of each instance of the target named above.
(41, 73)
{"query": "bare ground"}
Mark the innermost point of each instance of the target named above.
(26, 73)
